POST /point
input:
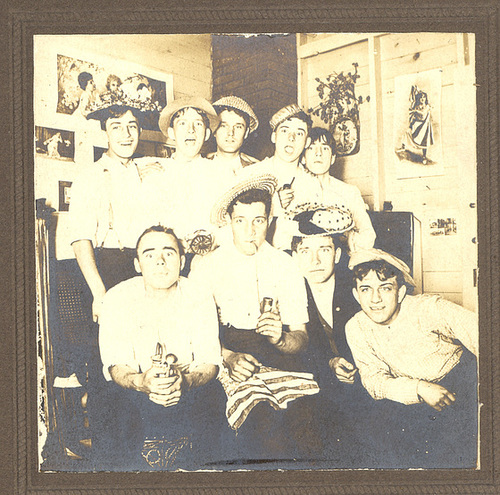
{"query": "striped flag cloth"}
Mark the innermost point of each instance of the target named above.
(271, 385)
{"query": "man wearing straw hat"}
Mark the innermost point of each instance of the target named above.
(418, 354)
(262, 305)
(237, 122)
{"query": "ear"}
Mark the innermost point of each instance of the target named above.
(137, 266)
(207, 134)
(273, 137)
(247, 133)
(333, 159)
(183, 262)
(338, 254)
(401, 293)
(355, 294)
(171, 133)
(308, 142)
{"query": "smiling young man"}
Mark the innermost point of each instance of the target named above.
(416, 351)
(139, 315)
(237, 122)
(255, 335)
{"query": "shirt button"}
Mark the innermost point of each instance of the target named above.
(337, 308)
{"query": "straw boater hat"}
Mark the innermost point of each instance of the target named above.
(195, 102)
(283, 114)
(238, 104)
(100, 110)
(318, 219)
(264, 182)
(373, 254)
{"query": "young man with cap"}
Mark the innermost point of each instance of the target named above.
(343, 405)
(415, 352)
(237, 122)
(262, 304)
(156, 353)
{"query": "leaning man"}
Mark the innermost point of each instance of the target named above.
(418, 355)
(157, 405)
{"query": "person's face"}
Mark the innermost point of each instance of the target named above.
(290, 139)
(113, 85)
(319, 157)
(232, 132)
(316, 257)
(189, 132)
(379, 299)
(158, 260)
(249, 226)
(90, 86)
(123, 135)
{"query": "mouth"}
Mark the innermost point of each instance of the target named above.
(377, 309)
(289, 149)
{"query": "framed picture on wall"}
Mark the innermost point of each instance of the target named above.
(55, 143)
(64, 195)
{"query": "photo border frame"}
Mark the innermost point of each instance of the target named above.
(18, 458)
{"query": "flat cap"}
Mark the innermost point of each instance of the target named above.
(238, 104)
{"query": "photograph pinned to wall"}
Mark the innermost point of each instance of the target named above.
(64, 195)
(417, 125)
(55, 143)
(442, 226)
(339, 109)
(83, 86)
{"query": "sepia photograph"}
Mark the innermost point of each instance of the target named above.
(264, 255)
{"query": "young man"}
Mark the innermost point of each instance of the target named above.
(342, 406)
(323, 188)
(240, 275)
(237, 122)
(141, 316)
(416, 352)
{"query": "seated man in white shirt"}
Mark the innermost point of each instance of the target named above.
(416, 351)
(237, 122)
(240, 275)
(152, 315)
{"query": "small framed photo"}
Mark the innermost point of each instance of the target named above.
(64, 195)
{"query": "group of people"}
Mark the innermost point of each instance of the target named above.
(244, 316)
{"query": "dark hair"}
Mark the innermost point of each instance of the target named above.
(297, 241)
(117, 111)
(142, 85)
(301, 116)
(84, 78)
(323, 136)
(383, 270)
(252, 196)
(164, 230)
(237, 111)
(182, 111)
(112, 78)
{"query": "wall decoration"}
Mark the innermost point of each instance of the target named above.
(339, 109)
(417, 125)
(442, 226)
(55, 143)
(64, 195)
(81, 84)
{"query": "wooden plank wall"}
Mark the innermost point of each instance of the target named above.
(447, 261)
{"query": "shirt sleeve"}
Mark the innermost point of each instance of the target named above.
(363, 235)
(115, 345)
(204, 328)
(83, 209)
(457, 323)
(376, 374)
(293, 299)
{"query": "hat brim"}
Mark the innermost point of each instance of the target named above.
(264, 182)
(199, 103)
(254, 123)
(103, 114)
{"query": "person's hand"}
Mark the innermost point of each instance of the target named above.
(286, 197)
(435, 395)
(241, 366)
(165, 391)
(343, 369)
(148, 168)
(97, 306)
(269, 324)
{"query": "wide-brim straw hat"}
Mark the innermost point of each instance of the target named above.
(320, 219)
(118, 102)
(241, 105)
(374, 254)
(195, 102)
(264, 182)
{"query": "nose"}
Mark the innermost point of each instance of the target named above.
(230, 131)
(191, 127)
(376, 296)
(291, 136)
(316, 258)
(318, 151)
(160, 260)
